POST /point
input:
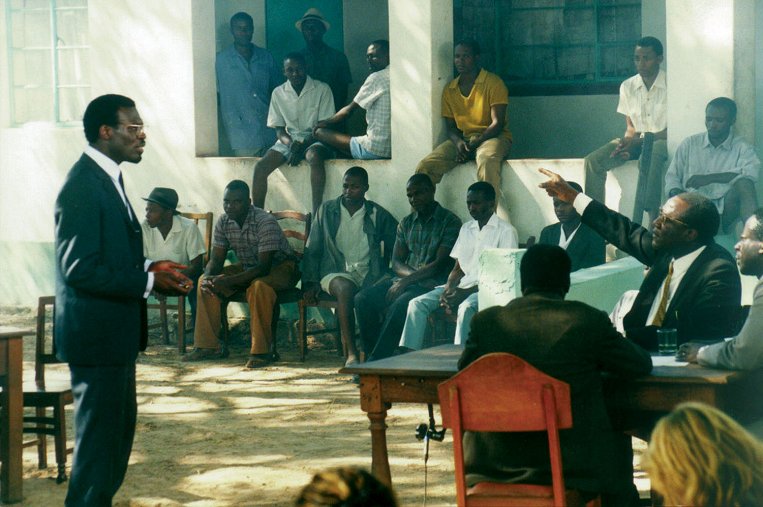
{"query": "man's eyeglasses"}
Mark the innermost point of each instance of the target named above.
(662, 217)
(133, 129)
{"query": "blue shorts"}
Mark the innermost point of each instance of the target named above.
(360, 153)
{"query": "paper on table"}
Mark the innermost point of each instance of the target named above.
(667, 361)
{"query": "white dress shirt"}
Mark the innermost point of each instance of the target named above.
(472, 241)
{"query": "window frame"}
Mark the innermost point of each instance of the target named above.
(55, 49)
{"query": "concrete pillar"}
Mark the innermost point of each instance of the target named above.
(711, 50)
(421, 50)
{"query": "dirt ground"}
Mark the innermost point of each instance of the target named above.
(213, 434)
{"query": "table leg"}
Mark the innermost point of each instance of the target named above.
(12, 420)
(379, 456)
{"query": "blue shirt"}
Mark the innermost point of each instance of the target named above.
(244, 89)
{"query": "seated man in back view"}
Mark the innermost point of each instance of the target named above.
(584, 246)
(572, 342)
(460, 293)
(337, 259)
(167, 235)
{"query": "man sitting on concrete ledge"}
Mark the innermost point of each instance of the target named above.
(717, 164)
(295, 108)
(459, 294)
(583, 245)
(373, 96)
(338, 261)
(692, 285)
(266, 264)
(474, 107)
(420, 261)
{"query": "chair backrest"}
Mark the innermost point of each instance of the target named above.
(45, 319)
(207, 230)
(296, 228)
(501, 392)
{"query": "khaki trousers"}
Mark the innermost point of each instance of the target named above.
(489, 158)
(598, 163)
(261, 297)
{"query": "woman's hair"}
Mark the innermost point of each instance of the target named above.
(700, 456)
(346, 487)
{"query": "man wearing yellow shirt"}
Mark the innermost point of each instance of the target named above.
(474, 107)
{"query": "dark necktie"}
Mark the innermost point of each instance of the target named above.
(124, 195)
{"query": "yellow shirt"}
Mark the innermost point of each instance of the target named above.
(472, 113)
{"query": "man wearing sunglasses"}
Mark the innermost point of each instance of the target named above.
(692, 284)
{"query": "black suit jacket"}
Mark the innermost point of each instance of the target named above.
(100, 277)
(706, 304)
(572, 342)
(585, 250)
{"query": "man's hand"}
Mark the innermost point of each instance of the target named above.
(463, 152)
(557, 187)
(473, 144)
(394, 292)
(165, 266)
(172, 283)
(218, 285)
(688, 352)
(311, 293)
(451, 298)
(296, 153)
(626, 148)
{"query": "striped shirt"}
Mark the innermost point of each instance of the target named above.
(260, 233)
(424, 237)
(373, 96)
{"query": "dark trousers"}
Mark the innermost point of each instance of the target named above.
(380, 324)
(105, 412)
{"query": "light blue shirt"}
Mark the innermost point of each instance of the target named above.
(244, 89)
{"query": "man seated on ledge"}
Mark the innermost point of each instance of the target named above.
(745, 350)
(692, 285)
(337, 261)
(572, 342)
(266, 264)
(295, 107)
(644, 102)
(420, 262)
(717, 164)
(474, 107)
(373, 96)
(585, 248)
(459, 294)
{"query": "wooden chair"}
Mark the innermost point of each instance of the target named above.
(324, 301)
(42, 395)
(296, 228)
(161, 304)
(501, 392)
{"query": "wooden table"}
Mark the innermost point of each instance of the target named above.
(413, 378)
(11, 416)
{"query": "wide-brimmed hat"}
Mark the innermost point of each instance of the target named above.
(164, 197)
(314, 14)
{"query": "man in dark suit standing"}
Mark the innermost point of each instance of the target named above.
(692, 285)
(572, 342)
(585, 248)
(102, 281)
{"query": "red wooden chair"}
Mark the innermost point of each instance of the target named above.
(501, 392)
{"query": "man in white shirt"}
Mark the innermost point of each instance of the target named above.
(644, 102)
(460, 291)
(374, 97)
(717, 164)
(692, 284)
(295, 108)
(167, 235)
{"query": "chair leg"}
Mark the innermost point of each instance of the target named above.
(59, 415)
(274, 332)
(163, 316)
(224, 328)
(42, 440)
(302, 330)
(181, 324)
